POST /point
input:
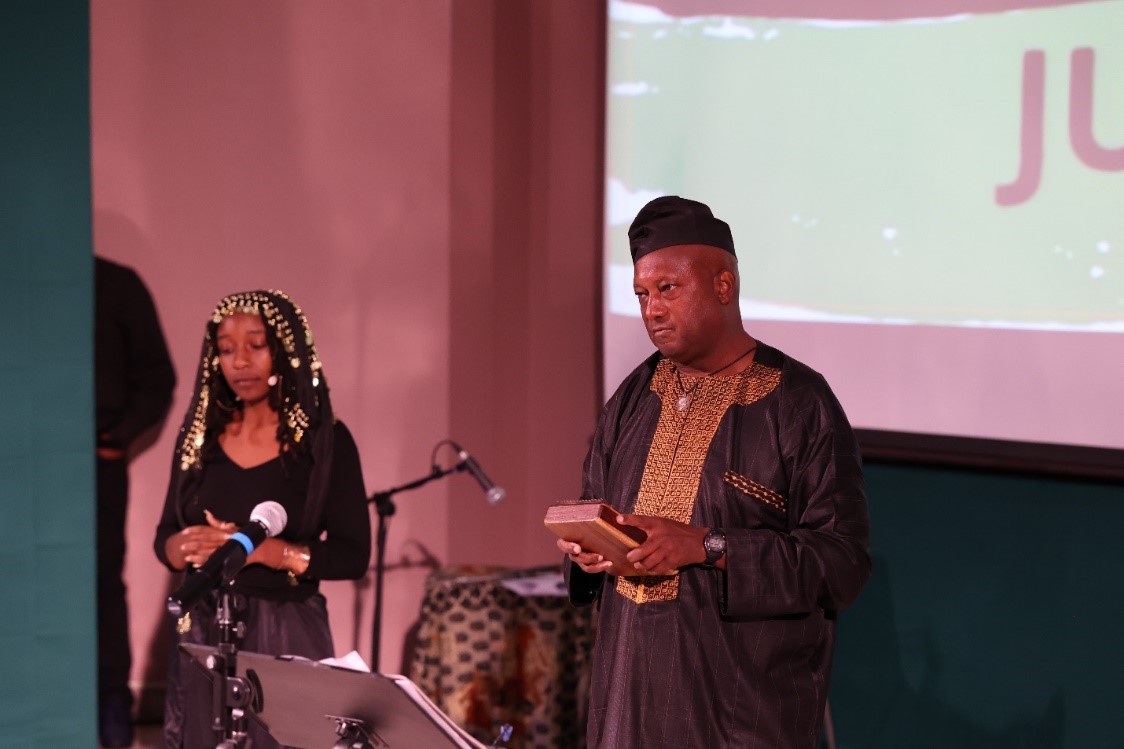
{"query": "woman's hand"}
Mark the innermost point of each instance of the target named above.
(195, 543)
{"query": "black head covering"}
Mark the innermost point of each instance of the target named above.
(671, 220)
(300, 398)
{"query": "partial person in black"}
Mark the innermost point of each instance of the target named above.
(134, 379)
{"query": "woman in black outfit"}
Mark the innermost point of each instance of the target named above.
(260, 427)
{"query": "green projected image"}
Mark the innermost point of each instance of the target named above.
(959, 171)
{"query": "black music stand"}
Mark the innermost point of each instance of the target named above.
(312, 705)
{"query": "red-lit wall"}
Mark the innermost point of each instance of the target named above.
(424, 178)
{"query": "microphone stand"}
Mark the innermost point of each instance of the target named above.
(231, 695)
(227, 698)
(386, 508)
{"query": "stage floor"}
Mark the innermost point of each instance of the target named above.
(148, 736)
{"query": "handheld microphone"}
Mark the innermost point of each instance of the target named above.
(266, 520)
(494, 494)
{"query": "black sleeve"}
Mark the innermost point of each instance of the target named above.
(344, 550)
(583, 587)
(169, 523)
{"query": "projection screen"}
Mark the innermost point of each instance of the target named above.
(927, 201)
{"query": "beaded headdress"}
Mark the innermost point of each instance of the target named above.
(300, 397)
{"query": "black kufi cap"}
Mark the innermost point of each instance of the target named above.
(671, 220)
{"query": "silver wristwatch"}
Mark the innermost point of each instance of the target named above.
(714, 542)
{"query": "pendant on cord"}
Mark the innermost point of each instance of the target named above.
(684, 401)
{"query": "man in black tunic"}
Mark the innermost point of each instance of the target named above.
(740, 465)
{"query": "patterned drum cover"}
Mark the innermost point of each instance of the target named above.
(489, 656)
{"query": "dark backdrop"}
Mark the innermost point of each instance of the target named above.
(992, 618)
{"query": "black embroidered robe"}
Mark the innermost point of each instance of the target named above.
(738, 658)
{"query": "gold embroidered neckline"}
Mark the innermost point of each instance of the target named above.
(683, 402)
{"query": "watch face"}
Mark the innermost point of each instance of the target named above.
(715, 544)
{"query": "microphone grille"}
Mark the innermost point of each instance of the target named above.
(272, 517)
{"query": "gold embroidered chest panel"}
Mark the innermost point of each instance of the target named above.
(673, 469)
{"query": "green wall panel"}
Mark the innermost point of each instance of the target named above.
(47, 629)
(992, 618)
